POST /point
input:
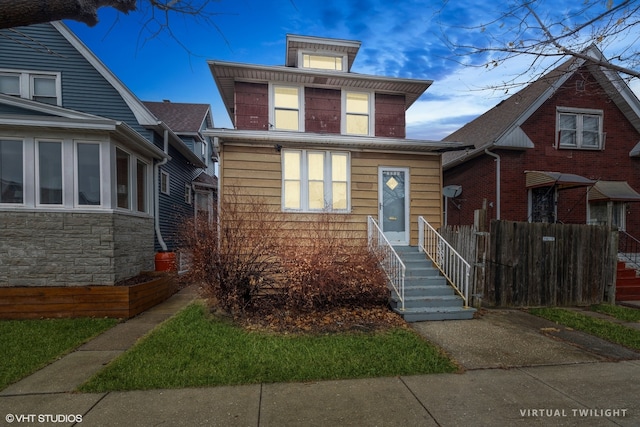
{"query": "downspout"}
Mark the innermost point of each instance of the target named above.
(156, 179)
(494, 155)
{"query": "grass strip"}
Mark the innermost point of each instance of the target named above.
(194, 349)
(29, 345)
(626, 314)
(604, 329)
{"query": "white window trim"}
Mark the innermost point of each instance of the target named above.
(580, 113)
(165, 174)
(304, 182)
(148, 177)
(103, 202)
(272, 107)
(302, 53)
(25, 184)
(37, 142)
(26, 81)
(372, 112)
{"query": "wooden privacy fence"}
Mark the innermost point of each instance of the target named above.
(538, 264)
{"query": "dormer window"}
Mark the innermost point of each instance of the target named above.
(323, 62)
(38, 86)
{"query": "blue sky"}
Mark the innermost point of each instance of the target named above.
(400, 38)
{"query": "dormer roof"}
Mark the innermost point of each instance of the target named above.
(319, 45)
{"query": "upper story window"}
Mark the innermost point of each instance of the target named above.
(580, 129)
(322, 62)
(38, 86)
(357, 113)
(287, 105)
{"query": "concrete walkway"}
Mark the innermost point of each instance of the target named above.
(517, 370)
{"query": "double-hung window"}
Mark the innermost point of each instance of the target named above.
(11, 171)
(357, 113)
(315, 181)
(580, 129)
(38, 86)
(286, 111)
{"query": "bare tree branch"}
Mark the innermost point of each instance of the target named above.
(541, 31)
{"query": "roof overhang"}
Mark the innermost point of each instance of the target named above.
(227, 73)
(281, 139)
(616, 191)
(562, 181)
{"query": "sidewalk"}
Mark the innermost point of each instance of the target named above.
(519, 369)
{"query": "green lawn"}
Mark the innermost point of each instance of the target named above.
(194, 349)
(602, 328)
(626, 314)
(28, 345)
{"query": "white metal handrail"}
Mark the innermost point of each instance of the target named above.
(448, 260)
(388, 257)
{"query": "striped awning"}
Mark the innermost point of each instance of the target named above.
(557, 179)
(616, 191)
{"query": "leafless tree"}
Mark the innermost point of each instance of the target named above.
(548, 32)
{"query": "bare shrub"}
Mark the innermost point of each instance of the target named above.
(253, 260)
(235, 258)
(331, 267)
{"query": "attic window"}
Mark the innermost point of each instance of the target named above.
(323, 62)
(38, 86)
(580, 129)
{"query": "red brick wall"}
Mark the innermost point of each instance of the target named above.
(390, 116)
(252, 106)
(612, 164)
(322, 110)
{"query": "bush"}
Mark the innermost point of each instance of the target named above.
(234, 258)
(332, 269)
(249, 261)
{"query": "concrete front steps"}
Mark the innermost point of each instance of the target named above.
(427, 294)
(627, 283)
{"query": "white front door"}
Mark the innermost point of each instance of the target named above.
(393, 193)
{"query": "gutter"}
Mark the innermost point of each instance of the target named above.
(494, 155)
(156, 185)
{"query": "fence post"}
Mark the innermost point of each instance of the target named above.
(420, 234)
(480, 264)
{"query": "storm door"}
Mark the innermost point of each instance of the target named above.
(393, 195)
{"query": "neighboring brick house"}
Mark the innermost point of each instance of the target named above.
(311, 137)
(82, 161)
(564, 149)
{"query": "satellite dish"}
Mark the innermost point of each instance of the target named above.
(452, 191)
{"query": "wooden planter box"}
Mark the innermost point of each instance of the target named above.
(85, 301)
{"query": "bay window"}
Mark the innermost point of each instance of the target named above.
(122, 178)
(88, 174)
(50, 172)
(11, 171)
(315, 180)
